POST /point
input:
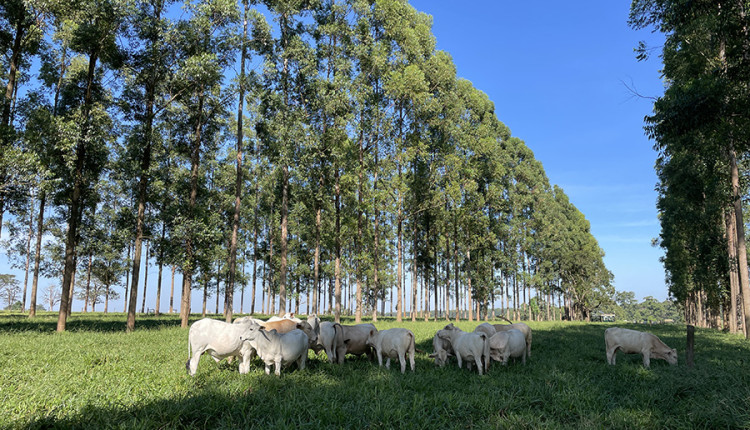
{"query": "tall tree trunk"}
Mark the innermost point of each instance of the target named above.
(76, 203)
(316, 261)
(28, 255)
(734, 276)
(127, 282)
(161, 266)
(414, 284)
(358, 237)
(400, 268)
(189, 257)
(145, 280)
(456, 269)
(337, 264)
(284, 238)
(229, 293)
(88, 286)
(741, 245)
(171, 291)
(38, 254)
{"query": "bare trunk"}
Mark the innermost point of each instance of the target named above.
(171, 292)
(734, 277)
(37, 255)
(145, 279)
(88, 286)
(337, 266)
(741, 245)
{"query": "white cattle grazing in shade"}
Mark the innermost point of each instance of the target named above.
(522, 327)
(278, 349)
(637, 342)
(392, 343)
(330, 339)
(468, 346)
(506, 344)
(355, 341)
(219, 339)
(442, 350)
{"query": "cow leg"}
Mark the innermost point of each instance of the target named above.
(302, 360)
(523, 358)
(387, 362)
(192, 363)
(277, 366)
(268, 369)
(611, 355)
(411, 359)
(478, 361)
(458, 358)
(646, 359)
(402, 360)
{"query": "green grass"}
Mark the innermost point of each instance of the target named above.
(96, 376)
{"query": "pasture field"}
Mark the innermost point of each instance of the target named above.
(97, 376)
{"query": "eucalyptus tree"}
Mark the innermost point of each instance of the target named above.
(146, 94)
(702, 113)
(206, 47)
(94, 28)
(288, 65)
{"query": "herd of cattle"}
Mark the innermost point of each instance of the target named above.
(282, 341)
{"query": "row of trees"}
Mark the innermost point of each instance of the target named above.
(701, 129)
(286, 145)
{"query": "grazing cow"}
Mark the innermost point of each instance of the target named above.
(443, 350)
(331, 337)
(355, 341)
(486, 328)
(468, 346)
(392, 343)
(278, 349)
(506, 344)
(522, 327)
(637, 342)
(220, 340)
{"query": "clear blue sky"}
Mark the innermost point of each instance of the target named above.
(556, 72)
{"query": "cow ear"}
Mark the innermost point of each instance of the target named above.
(299, 326)
(372, 332)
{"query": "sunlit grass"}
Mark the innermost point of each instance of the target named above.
(97, 376)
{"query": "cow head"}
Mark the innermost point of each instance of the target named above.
(371, 338)
(311, 333)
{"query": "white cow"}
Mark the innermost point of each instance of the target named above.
(278, 349)
(330, 339)
(637, 342)
(392, 343)
(506, 344)
(486, 328)
(219, 339)
(468, 346)
(355, 341)
(522, 327)
(443, 350)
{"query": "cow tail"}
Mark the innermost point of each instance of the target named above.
(337, 331)
(486, 353)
